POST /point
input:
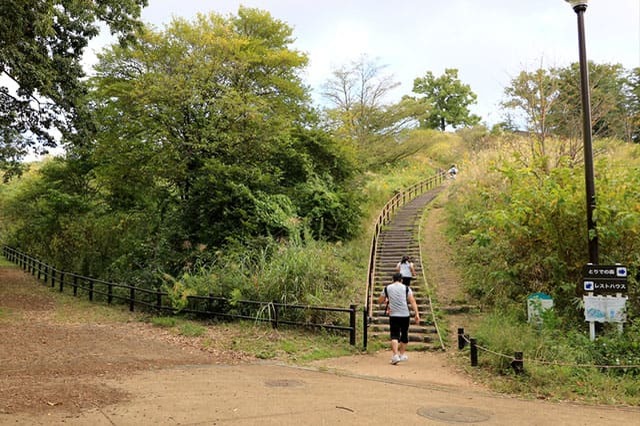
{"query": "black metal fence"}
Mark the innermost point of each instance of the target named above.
(202, 306)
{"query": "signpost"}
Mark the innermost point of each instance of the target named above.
(599, 282)
(604, 279)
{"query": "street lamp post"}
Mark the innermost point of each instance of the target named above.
(580, 6)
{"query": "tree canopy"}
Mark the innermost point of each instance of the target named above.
(446, 99)
(361, 113)
(203, 136)
(550, 101)
(41, 47)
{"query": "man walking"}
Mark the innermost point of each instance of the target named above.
(399, 296)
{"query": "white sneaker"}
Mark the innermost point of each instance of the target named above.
(404, 358)
(395, 359)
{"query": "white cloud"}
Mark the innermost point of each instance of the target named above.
(488, 41)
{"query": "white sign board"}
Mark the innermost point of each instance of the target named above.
(537, 303)
(605, 309)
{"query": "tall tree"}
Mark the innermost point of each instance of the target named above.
(550, 102)
(218, 124)
(633, 105)
(447, 100)
(607, 87)
(41, 47)
(533, 95)
(362, 113)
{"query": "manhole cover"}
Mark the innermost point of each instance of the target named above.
(283, 383)
(455, 414)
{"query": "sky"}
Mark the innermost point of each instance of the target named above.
(488, 41)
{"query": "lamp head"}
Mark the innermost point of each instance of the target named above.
(578, 3)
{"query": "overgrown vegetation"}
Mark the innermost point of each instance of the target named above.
(519, 227)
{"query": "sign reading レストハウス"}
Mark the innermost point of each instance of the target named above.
(604, 279)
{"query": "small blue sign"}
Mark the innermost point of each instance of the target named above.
(621, 271)
(588, 286)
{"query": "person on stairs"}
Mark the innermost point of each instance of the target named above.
(399, 297)
(406, 268)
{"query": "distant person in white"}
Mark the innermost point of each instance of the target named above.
(406, 269)
(452, 172)
(399, 296)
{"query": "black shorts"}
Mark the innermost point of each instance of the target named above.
(399, 328)
(406, 280)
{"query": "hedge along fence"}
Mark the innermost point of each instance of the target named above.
(205, 306)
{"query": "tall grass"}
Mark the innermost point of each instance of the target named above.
(519, 224)
(302, 270)
(560, 363)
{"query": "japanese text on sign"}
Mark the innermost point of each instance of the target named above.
(602, 271)
(609, 286)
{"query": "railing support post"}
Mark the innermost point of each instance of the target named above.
(365, 326)
(274, 324)
(132, 297)
(352, 325)
(461, 341)
(474, 352)
(518, 363)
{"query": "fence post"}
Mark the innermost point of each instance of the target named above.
(518, 364)
(352, 325)
(46, 273)
(158, 299)
(75, 285)
(274, 324)
(474, 352)
(91, 290)
(365, 325)
(210, 303)
(39, 269)
(109, 293)
(461, 342)
(53, 277)
(61, 281)
(132, 297)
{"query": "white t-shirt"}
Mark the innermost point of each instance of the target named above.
(405, 269)
(398, 293)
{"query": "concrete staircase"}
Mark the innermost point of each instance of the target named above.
(398, 237)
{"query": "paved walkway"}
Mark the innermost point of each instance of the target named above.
(337, 392)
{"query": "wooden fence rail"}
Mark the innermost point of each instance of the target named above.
(205, 306)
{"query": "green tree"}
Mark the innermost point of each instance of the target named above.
(633, 105)
(607, 88)
(550, 102)
(218, 126)
(446, 99)
(41, 47)
(362, 115)
(533, 94)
